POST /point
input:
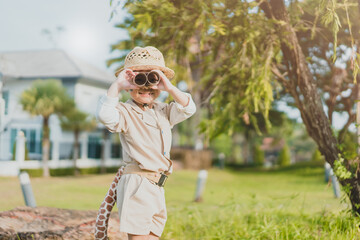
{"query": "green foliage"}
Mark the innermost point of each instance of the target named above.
(222, 144)
(94, 170)
(53, 172)
(68, 171)
(233, 47)
(258, 155)
(33, 172)
(97, 170)
(349, 145)
(219, 48)
(186, 133)
(340, 170)
(332, 79)
(332, 12)
(46, 97)
(61, 171)
(330, 17)
(230, 223)
(76, 120)
(284, 156)
(243, 82)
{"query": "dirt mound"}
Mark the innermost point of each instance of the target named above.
(53, 223)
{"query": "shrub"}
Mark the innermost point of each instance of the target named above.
(284, 156)
(68, 171)
(33, 172)
(259, 156)
(317, 157)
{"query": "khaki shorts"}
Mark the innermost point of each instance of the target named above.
(141, 205)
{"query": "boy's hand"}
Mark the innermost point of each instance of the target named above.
(164, 83)
(124, 80)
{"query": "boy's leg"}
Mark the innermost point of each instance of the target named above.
(141, 206)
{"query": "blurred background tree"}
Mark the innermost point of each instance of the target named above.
(77, 121)
(316, 157)
(191, 36)
(259, 156)
(44, 98)
(284, 156)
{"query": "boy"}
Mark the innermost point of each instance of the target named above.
(145, 134)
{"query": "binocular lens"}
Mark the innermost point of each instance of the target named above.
(140, 79)
(146, 79)
(153, 78)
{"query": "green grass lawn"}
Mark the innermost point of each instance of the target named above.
(246, 204)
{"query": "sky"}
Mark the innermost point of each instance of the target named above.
(80, 27)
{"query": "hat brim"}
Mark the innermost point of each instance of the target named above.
(169, 73)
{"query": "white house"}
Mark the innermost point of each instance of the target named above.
(84, 82)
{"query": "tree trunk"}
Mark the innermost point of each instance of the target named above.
(302, 87)
(195, 70)
(358, 114)
(45, 147)
(76, 152)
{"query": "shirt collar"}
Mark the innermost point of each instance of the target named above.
(137, 109)
(134, 106)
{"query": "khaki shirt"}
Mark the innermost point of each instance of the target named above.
(145, 135)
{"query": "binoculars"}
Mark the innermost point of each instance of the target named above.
(146, 79)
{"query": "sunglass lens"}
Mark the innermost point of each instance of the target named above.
(153, 77)
(140, 79)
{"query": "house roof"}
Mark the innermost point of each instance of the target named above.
(49, 64)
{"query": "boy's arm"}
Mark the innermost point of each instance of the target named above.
(179, 96)
(183, 108)
(114, 118)
(178, 112)
(108, 115)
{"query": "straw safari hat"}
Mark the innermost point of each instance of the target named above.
(147, 58)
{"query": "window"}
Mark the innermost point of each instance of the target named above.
(94, 147)
(13, 135)
(32, 143)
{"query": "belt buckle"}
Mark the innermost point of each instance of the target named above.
(162, 180)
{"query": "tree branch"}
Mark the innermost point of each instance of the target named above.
(280, 76)
(343, 131)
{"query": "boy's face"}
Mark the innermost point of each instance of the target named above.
(143, 95)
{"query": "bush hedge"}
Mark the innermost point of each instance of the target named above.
(68, 171)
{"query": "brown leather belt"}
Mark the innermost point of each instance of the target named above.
(157, 178)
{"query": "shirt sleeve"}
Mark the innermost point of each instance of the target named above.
(178, 113)
(110, 115)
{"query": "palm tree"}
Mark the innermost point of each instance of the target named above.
(77, 121)
(46, 97)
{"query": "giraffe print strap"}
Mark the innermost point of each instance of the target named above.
(101, 224)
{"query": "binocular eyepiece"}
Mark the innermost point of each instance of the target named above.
(145, 79)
